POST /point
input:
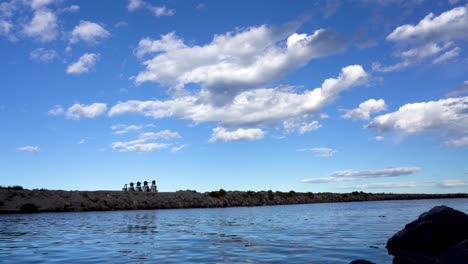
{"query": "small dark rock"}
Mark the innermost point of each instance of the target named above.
(361, 261)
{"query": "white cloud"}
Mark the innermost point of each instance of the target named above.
(352, 175)
(253, 108)
(56, 110)
(161, 11)
(123, 129)
(43, 55)
(459, 90)
(221, 134)
(430, 37)
(157, 11)
(461, 142)
(5, 27)
(138, 146)
(320, 152)
(450, 114)
(135, 4)
(36, 4)
(447, 55)
(43, 26)
(28, 149)
(365, 109)
(88, 32)
(71, 9)
(78, 111)
(391, 185)
(178, 148)
(120, 24)
(307, 127)
(378, 138)
(84, 63)
(167, 42)
(237, 61)
(165, 134)
(448, 26)
(82, 141)
(145, 142)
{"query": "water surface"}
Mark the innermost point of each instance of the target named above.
(311, 233)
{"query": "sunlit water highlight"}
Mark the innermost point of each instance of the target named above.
(312, 233)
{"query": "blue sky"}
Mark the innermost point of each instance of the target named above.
(242, 95)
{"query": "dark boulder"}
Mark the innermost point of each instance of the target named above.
(436, 236)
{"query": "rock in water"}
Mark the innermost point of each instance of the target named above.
(437, 236)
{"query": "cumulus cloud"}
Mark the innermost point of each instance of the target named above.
(235, 61)
(266, 107)
(43, 26)
(157, 11)
(145, 142)
(461, 89)
(365, 109)
(352, 175)
(391, 185)
(221, 134)
(430, 37)
(167, 42)
(448, 26)
(43, 55)
(78, 111)
(320, 152)
(84, 64)
(88, 32)
(449, 115)
(28, 149)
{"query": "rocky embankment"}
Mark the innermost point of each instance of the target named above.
(27, 201)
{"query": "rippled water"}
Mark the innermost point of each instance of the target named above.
(313, 233)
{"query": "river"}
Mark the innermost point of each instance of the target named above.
(309, 233)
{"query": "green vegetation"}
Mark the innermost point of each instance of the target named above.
(14, 187)
(217, 194)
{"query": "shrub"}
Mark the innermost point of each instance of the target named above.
(217, 194)
(14, 187)
(355, 193)
(29, 208)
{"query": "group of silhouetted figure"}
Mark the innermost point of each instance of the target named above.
(139, 188)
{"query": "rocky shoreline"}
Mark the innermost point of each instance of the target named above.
(32, 201)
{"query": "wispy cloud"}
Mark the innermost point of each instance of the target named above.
(352, 175)
(392, 185)
(320, 152)
(146, 142)
(28, 149)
